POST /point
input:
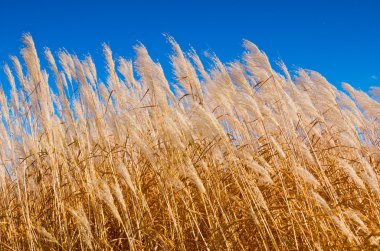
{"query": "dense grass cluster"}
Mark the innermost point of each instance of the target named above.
(228, 157)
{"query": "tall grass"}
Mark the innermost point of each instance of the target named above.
(238, 157)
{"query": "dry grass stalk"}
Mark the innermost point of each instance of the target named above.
(230, 157)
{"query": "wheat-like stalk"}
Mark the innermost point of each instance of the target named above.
(229, 156)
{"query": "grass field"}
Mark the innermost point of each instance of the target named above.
(233, 156)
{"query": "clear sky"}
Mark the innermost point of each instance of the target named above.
(340, 39)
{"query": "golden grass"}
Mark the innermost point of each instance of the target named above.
(238, 157)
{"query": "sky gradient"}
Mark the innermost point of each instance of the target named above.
(339, 39)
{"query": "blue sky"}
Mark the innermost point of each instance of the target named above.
(340, 39)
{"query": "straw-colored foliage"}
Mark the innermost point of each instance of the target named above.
(230, 156)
